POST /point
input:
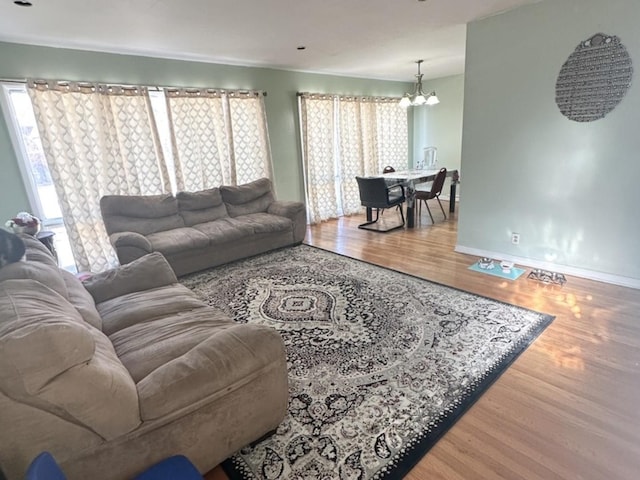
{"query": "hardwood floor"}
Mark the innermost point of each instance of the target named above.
(568, 408)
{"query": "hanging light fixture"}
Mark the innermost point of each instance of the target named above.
(418, 97)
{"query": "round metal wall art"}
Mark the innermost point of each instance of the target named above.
(594, 79)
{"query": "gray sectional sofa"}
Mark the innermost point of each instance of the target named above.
(114, 375)
(198, 230)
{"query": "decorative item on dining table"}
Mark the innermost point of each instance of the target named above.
(24, 222)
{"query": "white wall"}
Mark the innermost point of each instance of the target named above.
(572, 190)
(441, 125)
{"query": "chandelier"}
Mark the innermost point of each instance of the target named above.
(418, 97)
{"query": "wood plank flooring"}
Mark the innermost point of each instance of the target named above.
(568, 408)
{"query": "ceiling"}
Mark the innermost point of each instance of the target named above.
(361, 38)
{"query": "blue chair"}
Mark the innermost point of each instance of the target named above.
(44, 467)
(178, 467)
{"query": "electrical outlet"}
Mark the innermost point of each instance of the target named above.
(515, 238)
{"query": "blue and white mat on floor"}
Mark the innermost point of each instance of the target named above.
(497, 271)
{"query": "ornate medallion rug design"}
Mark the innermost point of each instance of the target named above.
(381, 363)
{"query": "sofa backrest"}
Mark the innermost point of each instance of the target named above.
(39, 265)
(143, 214)
(51, 360)
(201, 207)
(253, 197)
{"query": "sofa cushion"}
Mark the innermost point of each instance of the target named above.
(178, 240)
(145, 346)
(265, 222)
(41, 336)
(81, 299)
(40, 272)
(251, 197)
(144, 273)
(201, 207)
(109, 400)
(37, 252)
(52, 360)
(146, 306)
(143, 214)
(224, 230)
(226, 360)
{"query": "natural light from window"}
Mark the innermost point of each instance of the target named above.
(34, 167)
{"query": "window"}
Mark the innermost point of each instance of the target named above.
(33, 166)
(161, 116)
(122, 156)
(344, 137)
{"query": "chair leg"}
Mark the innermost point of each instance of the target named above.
(429, 210)
(367, 225)
(401, 213)
(439, 203)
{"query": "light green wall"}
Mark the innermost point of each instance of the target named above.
(570, 189)
(23, 61)
(441, 125)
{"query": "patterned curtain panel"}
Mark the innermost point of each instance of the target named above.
(201, 151)
(391, 135)
(218, 137)
(317, 120)
(251, 147)
(98, 140)
(345, 137)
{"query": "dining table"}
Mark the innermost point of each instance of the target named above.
(410, 178)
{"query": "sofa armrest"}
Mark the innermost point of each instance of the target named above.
(296, 212)
(130, 246)
(130, 239)
(286, 209)
(145, 273)
(229, 359)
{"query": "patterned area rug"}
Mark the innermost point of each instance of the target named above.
(380, 363)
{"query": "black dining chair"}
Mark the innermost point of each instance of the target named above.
(376, 194)
(422, 196)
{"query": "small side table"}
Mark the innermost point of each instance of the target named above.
(46, 237)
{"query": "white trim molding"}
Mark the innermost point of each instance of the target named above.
(18, 146)
(554, 267)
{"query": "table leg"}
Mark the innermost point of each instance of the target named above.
(452, 197)
(410, 216)
(410, 194)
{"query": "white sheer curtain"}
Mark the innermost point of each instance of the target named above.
(97, 140)
(218, 137)
(344, 137)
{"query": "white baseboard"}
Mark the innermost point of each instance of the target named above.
(554, 267)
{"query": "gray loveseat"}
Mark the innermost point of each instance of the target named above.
(127, 369)
(197, 230)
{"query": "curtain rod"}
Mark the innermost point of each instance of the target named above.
(156, 87)
(13, 80)
(346, 96)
